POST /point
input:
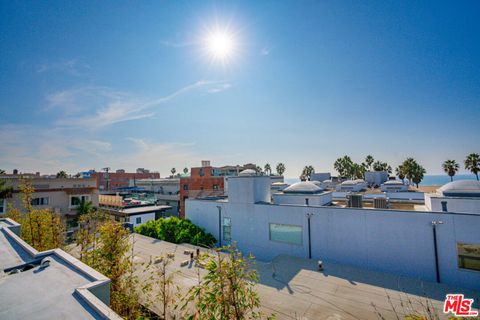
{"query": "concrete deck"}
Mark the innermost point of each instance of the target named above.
(292, 288)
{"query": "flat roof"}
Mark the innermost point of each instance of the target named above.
(144, 209)
(59, 291)
(293, 288)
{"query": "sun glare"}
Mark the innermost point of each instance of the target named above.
(220, 45)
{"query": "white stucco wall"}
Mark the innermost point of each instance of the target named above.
(399, 242)
(145, 217)
(465, 205)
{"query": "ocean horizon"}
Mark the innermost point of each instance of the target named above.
(428, 180)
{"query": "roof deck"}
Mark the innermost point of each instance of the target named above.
(293, 288)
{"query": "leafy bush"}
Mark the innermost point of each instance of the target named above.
(177, 231)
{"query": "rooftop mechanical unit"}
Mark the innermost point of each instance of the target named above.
(355, 200)
(380, 203)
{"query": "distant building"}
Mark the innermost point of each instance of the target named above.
(204, 181)
(320, 176)
(462, 196)
(395, 241)
(376, 178)
(111, 181)
(62, 195)
(48, 285)
(352, 186)
(394, 186)
(166, 192)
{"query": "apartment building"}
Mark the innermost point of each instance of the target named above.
(62, 195)
(204, 181)
(111, 181)
(166, 192)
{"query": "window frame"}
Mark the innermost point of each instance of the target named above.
(282, 241)
(461, 268)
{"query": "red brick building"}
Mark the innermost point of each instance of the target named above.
(120, 179)
(203, 182)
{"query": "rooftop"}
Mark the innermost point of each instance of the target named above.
(58, 291)
(144, 209)
(303, 187)
(292, 288)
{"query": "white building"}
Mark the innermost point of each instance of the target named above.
(303, 193)
(394, 186)
(376, 178)
(320, 176)
(400, 242)
(352, 186)
(461, 196)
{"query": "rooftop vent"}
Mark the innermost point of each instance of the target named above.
(380, 203)
(355, 201)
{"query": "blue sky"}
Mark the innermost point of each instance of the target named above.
(125, 84)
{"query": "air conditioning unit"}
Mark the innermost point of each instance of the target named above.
(355, 201)
(380, 203)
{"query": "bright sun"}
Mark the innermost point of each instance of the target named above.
(220, 44)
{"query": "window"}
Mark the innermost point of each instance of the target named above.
(2, 206)
(39, 201)
(138, 220)
(215, 187)
(227, 229)
(201, 173)
(185, 187)
(444, 206)
(468, 256)
(76, 200)
(286, 233)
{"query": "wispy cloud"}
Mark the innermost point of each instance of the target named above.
(219, 88)
(73, 67)
(96, 107)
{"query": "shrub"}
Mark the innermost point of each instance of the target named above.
(177, 231)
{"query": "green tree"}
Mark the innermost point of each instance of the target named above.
(227, 291)
(280, 169)
(177, 231)
(450, 167)
(399, 172)
(267, 169)
(472, 163)
(41, 228)
(173, 171)
(344, 166)
(2, 171)
(114, 259)
(357, 171)
(307, 173)
(381, 166)
(418, 174)
(85, 207)
(369, 161)
(5, 192)
(62, 174)
(185, 170)
(259, 170)
(166, 293)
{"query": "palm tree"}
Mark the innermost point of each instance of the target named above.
(369, 161)
(450, 167)
(358, 171)
(472, 163)
(185, 170)
(307, 173)
(62, 174)
(280, 169)
(85, 207)
(2, 171)
(259, 171)
(399, 172)
(344, 166)
(267, 169)
(173, 171)
(418, 173)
